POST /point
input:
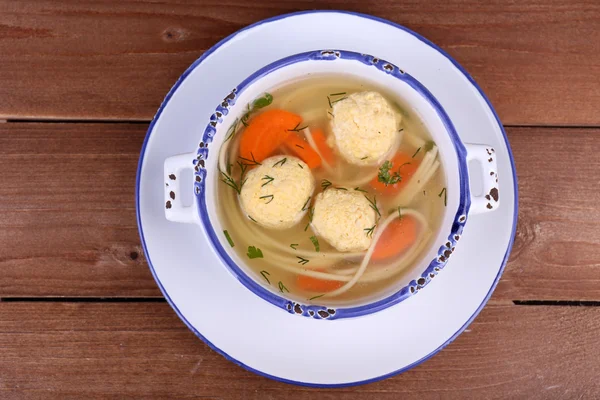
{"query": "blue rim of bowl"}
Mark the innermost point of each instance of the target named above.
(290, 381)
(446, 248)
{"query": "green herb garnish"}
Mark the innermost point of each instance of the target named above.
(282, 287)
(294, 246)
(228, 238)
(399, 213)
(325, 184)
(296, 129)
(300, 146)
(252, 219)
(445, 196)
(337, 94)
(360, 190)
(416, 152)
(384, 174)
(373, 204)
(333, 116)
(370, 230)
(232, 129)
(254, 252)
(315, 243)
(302, 261)
(280, 162)
(311, 213)
(262, 102)
(329, 101)
(268, 197)
(335, 101)
(264, 275)
(365, 157)
(248, 161)
(300, 165)
(305, 204)
(316, 297)
(268, 180)
(229, 181)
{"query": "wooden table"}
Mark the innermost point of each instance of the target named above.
(81, 316)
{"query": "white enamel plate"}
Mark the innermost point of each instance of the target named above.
(260, 336)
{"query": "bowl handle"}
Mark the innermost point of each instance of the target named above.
(174, 209)
(488, 200)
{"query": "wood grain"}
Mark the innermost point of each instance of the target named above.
(74, 235)
(555, 253)
(538, 60)
(67, 211)
(126, 351)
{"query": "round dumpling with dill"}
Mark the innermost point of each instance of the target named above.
(275, 193)
(345, 219)
(365, 127)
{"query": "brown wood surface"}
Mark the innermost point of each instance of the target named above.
(67, 212)
(75, 234)
(538, 61)
(92, 351)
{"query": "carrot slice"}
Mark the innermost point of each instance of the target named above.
(302, 149)
(317, 285)
(399, 235)
(266, 132)
(321, 143)
(406, 166)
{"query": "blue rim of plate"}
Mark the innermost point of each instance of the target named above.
(221, 352)
(313, 310)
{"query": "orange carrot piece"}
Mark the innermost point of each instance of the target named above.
(266, 132)
(317, 285)
(302, 149)
(399, 235)
(406, 166)
(321, 143)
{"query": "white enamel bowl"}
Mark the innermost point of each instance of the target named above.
(261, 336)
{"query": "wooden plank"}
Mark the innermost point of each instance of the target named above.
(129, 350)
(537, 60)
(68, 221)
(67, 211)
(554, 256)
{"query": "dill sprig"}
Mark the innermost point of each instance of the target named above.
(252, 219)
(315, 243)
(302, 261)
(232, 129)
(280, 162)
(269, 197)
(248, 161)
(306, 203)
(416, 152)
(282, 287)
(329, 101)
(335, 101)
(316, 297)
(445, 196)
(373, 204)
(311, 213)
(360, 190)
(300, 165)
(294, 246)
(229, 181)
(370, 230)
(297, 129)
(268, 180)
(333, 116)
(325, 184)
(337, 94)
(264, 275)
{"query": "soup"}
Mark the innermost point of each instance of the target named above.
(330, 189)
